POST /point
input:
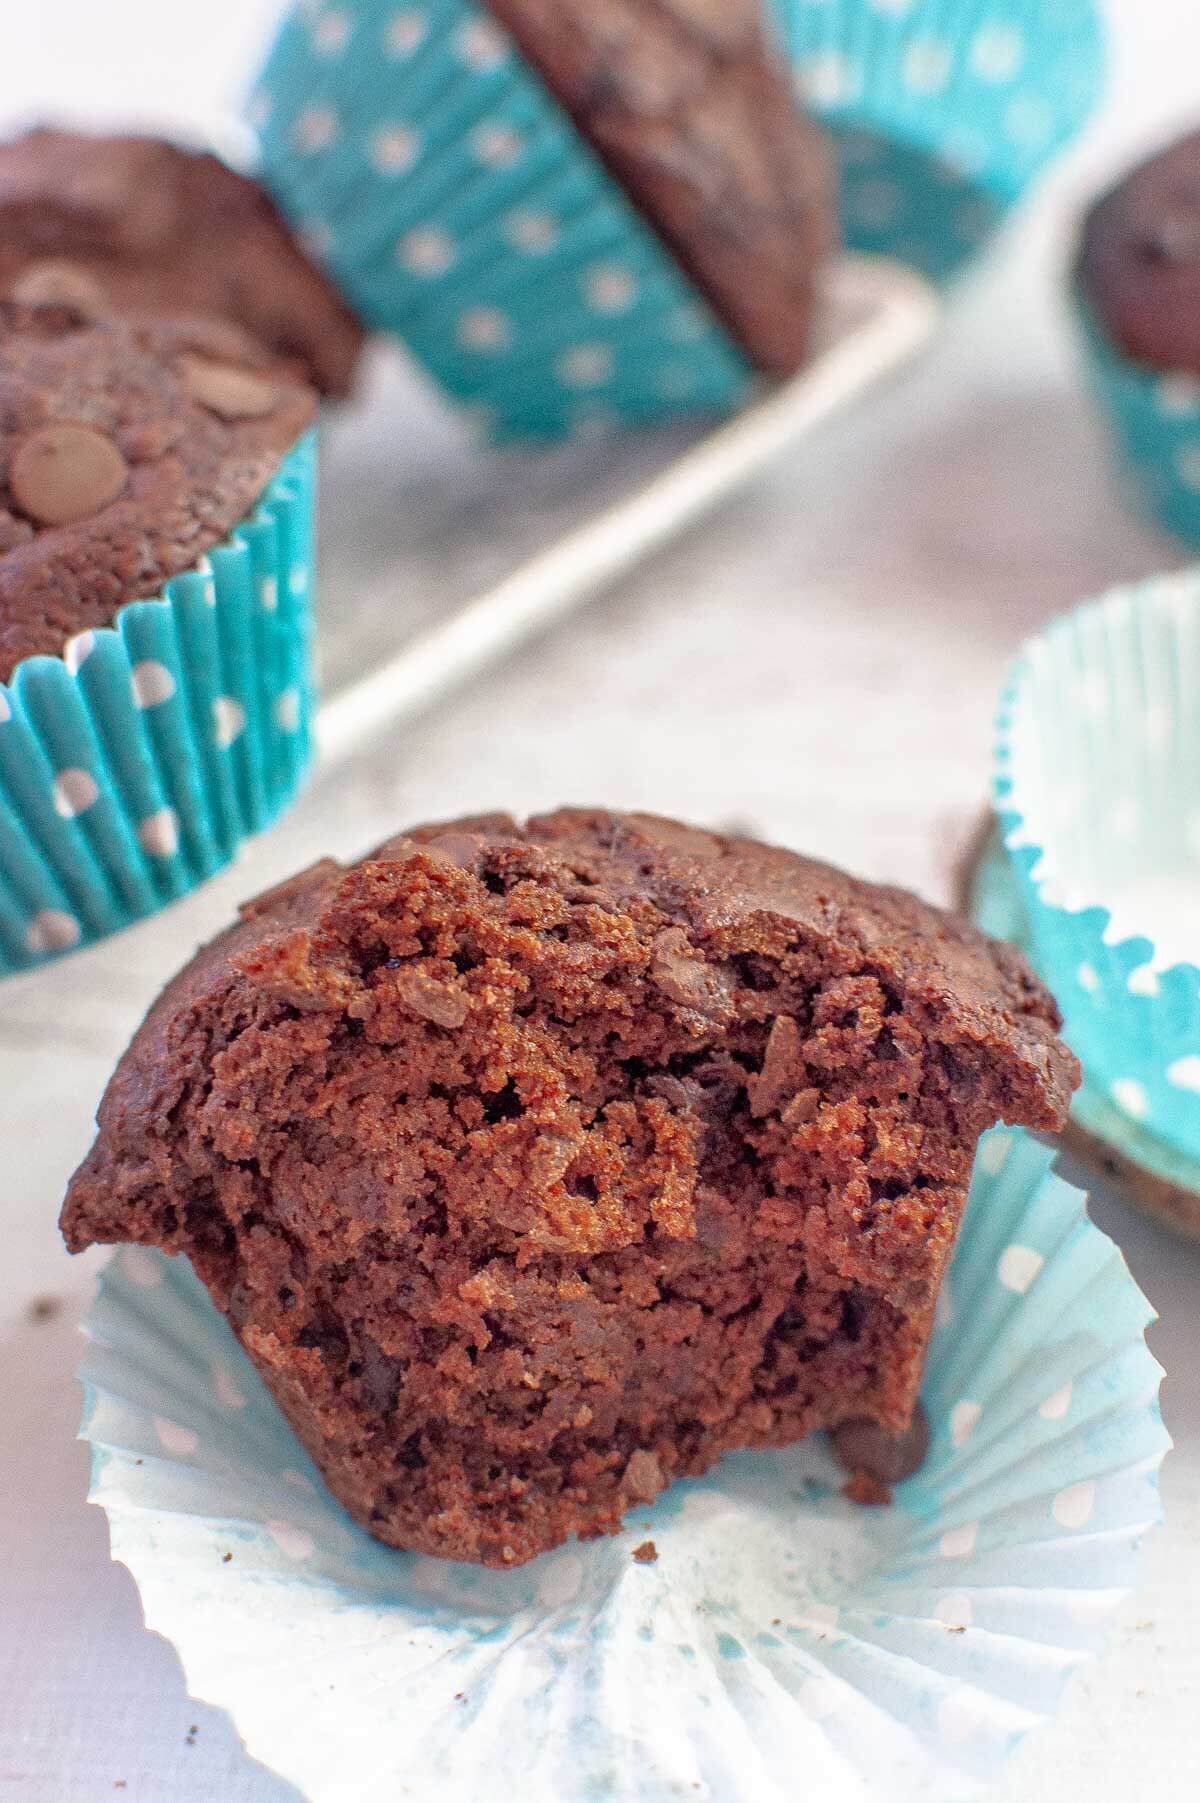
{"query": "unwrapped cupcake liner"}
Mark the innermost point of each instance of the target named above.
(132, 767)
(1154, 416)
(942, 112)
(1096, 785)
(454, 203)
(781, 1629)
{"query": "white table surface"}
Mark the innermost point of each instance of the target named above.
(820, 659)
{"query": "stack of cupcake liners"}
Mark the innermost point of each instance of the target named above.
(943, 112)
(132, 767)
(780, 1628)
(455, 204)
(1097, 775)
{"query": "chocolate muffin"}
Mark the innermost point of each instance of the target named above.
(689, 108)
(1139, 261)
(128, 448)
(135, 225)
(537, 1166)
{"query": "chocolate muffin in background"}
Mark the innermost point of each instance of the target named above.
(577, 214)
(128, 448)
(135, 225)
(536, 1166)
(687, 105)
(1137, 289)
(1139, 259)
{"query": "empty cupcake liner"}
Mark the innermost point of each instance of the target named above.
(1154, 416)
(942, 111)
(455, 204)
(900, 1651)
(132, 766)
(1096, 785)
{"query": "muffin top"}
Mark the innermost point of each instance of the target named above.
(1139, 262)
(127, 449)
(685, 103)
(334, 945)
(134, 225)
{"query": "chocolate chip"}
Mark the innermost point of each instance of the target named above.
(782, 1072)
(864, 1446)
(643, 1479)
(228, 391)
(66, 472)
(442, 1003)
(56, 284)
(683, 976)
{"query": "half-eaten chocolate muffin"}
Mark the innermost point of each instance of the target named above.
(537, 1166)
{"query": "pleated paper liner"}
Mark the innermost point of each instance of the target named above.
(1157, 1178)
(783, 1636)
(1096, 785)
(132, 767)
(456, 205)
(1154, 417)
(943, 112)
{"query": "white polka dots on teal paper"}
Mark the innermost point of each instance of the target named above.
(74, 792)
(150, 749)
(949, 113)
(457, 205)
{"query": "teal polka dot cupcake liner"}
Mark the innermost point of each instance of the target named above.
(1097, 791)
(455, 204)
(132, 767)
(901, 1652)
(1154, 416)
(943, 112)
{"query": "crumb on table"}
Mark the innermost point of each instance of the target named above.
(646, 1553)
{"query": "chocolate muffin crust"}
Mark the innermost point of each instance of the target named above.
(127, 449)
(686, 104)
(135, 225)
(537, 1166)
(1139, 261)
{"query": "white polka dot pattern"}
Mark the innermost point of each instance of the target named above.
(1130, 1095)
(484, 329)
(609, 288)
(158, 833)
(287, 711)
(394, 149)
(153, 683)
(530, 230)
(964, 1419)
(229, 720)
(1184, 1072)
(585, 366)
(1072, 1508)
(405, 32)
(1058, 1406)
(315, 130)
(427, 250)
(52, 930)
(1019, 1267)
(74, 792)
(959, 1542)
(129, 797)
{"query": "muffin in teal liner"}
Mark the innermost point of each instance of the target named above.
(168, 466)
(943, 112)
(619, 220)
(777, 1628)
(1097, 775)
(1137, 292)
